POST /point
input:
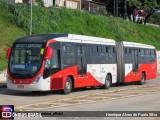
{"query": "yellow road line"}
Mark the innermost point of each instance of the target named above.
(101, 96)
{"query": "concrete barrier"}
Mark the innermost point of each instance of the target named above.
(3, 78)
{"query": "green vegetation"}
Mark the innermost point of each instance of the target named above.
(51, 20)
(8, 33)
(155, 18)
(61, 20)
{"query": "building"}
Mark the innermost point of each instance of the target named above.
(73, 4)
(15, 1)
(93, 6)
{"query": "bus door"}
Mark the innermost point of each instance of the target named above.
(81, 59)
(134, 56)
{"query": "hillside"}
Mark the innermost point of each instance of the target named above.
(14, 22)
(8, 33)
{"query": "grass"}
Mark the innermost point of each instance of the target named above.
(8, 33)
(61, 20)
(15, 19)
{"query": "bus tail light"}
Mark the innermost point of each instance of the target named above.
(48, 53)
(8, 53)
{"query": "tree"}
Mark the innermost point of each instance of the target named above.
(131, 5)
(155, 18)
(149, 5)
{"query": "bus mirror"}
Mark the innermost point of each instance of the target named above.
(48, 54)
(8, 53)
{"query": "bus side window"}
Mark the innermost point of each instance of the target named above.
(111, 55)
(97, 48)
(104, 54)
(141, 55)
(126, 51)
(69, 55)
(126, 55)
(129, 55)
(114, 55)
(113, 49)
(148, 57)
(153, 56)
(55, 61)
(107, 51)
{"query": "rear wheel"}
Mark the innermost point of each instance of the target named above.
(67, 86)
(142, 80)
(108, 83)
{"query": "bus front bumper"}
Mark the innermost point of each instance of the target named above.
(41, 85)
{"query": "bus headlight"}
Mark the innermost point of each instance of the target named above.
(37, 79)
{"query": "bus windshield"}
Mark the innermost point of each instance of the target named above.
(26, 60)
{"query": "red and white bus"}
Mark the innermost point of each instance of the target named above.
(65, 61)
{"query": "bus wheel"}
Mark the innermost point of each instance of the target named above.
(107, 82)
(68, 86)
(142, 80)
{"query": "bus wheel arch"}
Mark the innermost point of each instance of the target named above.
(72, 79)
(143, 72)
(142, 79)
(68, 85)
(108, 81)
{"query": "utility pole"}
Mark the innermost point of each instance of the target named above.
(89, 9)
(80, 6)
(31, 18)
(125, 9)
(117, 1)
(114, 8)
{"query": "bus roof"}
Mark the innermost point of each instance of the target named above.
(86, 39)
(39, 38)
(42, 38)
(133, 44)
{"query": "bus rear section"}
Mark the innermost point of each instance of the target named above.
(136, 62)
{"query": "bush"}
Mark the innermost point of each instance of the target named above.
(62, 20)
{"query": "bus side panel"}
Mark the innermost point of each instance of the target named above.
(148, 69)
(151, 71)
(131, 77)
(58, 79)
(86, 80)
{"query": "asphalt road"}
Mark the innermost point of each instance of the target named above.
(146, 102)
(18, 98)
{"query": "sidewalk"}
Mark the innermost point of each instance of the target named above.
(3, 78)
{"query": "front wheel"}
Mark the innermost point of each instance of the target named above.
(107, 82)
(68, 86)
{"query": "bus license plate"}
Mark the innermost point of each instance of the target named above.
(20, 86)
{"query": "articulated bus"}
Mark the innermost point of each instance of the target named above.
(66, 61)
